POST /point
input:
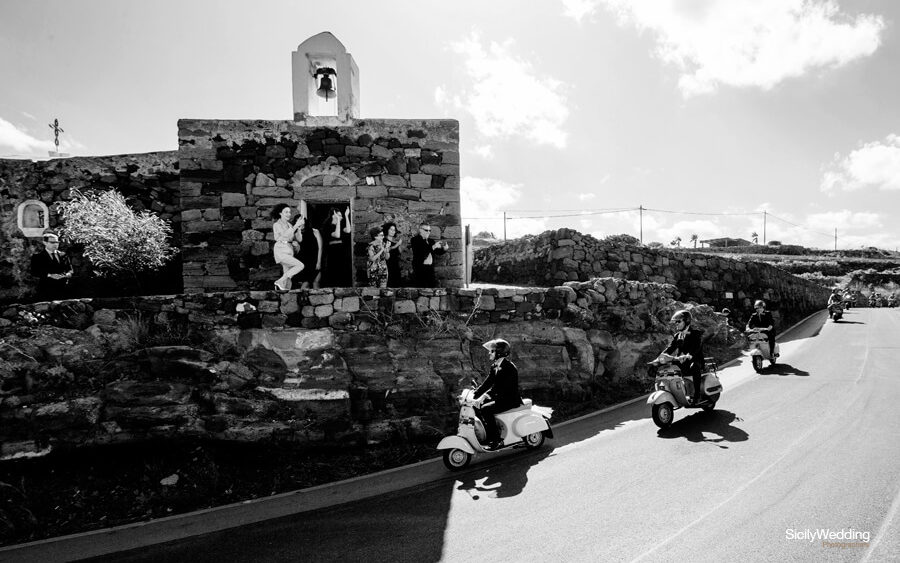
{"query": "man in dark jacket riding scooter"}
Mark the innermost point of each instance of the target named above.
(502, 385)
(687, 347)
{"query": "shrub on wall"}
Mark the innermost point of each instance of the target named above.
(117, 240)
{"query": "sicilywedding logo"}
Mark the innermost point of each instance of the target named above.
(843, 538)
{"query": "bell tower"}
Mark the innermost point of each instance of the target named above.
(325, 80)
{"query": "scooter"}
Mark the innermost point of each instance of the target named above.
(524, 426)
(759, 349)
(671, 389)
(836, 311)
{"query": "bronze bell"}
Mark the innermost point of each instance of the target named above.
(326, 87)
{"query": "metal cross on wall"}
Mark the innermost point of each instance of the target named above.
(56, 131)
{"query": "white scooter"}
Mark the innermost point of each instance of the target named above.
(524, 426)
(759, 349)
(671, 390)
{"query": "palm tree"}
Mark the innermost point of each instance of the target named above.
(676, 242)
(694, 238)
(755, 237)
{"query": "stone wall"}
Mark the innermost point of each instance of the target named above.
(315, 367)
(558, 256)
(234, 172)
(148, 181)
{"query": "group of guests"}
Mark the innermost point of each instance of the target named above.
(383, 265)
(313, 257)
(322, 257)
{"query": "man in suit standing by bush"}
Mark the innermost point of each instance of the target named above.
(52, 270)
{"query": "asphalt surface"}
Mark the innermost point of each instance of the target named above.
(810, 445)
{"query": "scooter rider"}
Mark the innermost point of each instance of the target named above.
(763, 320)
(687, 347)
(834, 299)
(502, 385)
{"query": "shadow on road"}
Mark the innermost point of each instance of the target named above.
(814, 323)
(504, 479)
(843, 322)
(697, 427)
(785, 369)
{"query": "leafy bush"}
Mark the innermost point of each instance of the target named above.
(116, 238)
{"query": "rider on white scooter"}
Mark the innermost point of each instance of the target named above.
(834, 299)
(763, 321)
(502, 385)
(687, 346)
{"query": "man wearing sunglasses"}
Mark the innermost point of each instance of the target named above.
(687, 347)
(763, 320)
(424, 250)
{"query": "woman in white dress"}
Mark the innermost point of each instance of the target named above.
(283, 251)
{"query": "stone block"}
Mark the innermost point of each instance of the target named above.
(420, 180)
(322, 311)
(439, 195)
(404, 306)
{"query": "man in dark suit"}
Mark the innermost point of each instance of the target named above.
(424, 250)
(52, 270)
(502, 385)
(687, 346)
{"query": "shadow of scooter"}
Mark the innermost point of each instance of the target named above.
(785, 369)
(695, 427)
(503, 479)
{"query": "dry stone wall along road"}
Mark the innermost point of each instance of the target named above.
(806, 449)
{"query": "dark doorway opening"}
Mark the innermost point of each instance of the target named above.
(337, 240)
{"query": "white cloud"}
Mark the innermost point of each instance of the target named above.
(14, 139)
(875, 164)
(483, 201)
(28, 115)
(842, 220)
(484, 151)
(579, 9)
(506, 96)
(744, 43)
(587, 196)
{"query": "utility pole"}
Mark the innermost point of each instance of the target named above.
(504, 226)
(764, 227)
(835, 238)
(641, 210)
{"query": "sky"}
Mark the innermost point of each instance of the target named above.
(718, 117)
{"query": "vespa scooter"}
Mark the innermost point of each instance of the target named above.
(759, 349)
(671, 390)
(836, 311)
(524, 426)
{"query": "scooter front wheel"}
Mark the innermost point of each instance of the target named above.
(663, 414)
(534, 440)
(456, 459)
(757, 363)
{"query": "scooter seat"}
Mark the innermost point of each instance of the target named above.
(526, 402)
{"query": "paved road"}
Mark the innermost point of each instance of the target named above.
(811, 444)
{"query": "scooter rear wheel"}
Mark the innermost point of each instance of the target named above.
(534, 440)
(456, 459)
(663, 415)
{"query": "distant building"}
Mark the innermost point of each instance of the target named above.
(725, 242)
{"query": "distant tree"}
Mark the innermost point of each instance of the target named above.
(485, 234)
(676, 242)
(117, 240)
(774, 243)
(694, 238)
(623, 239)
(754, 237)
(654, 244)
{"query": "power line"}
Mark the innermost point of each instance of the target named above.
(799, 226)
